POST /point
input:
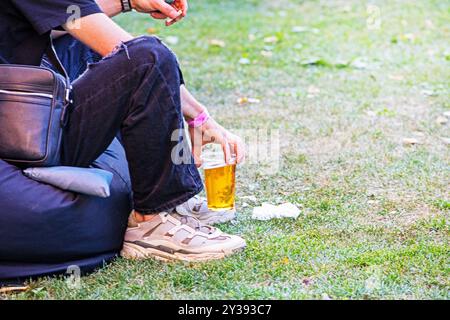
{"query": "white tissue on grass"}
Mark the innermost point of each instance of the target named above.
(269, 211)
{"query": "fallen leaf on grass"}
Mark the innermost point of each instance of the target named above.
(313, 90)
(253, 100)
(172, 39)
(418, 133)
(266, 54)
(429, 24)
(396, 77)
(441, 120)
(217, 43)
(271, 39)
(251, 198)
(151, 30)
(300, 29)
(410, 141)
(244, 100)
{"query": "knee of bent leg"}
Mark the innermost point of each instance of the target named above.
(150, 50)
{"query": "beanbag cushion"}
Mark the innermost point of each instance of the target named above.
(44, 229)
(91, 181)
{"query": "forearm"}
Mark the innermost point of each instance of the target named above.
(110, 7)
(98, 32)
(190, 107)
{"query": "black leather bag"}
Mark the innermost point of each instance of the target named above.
(33, 112)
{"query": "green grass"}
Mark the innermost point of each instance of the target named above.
(374, 220)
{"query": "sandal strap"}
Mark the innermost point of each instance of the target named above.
(197, 204)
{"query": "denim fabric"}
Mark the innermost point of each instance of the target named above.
(135, 91)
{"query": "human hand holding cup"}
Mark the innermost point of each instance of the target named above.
(219, 167)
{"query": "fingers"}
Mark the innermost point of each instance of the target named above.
(196, 143)
(181, 6)
(239, 150)
(158, 15)
(184, 7)
(226, 150)
(197, 154)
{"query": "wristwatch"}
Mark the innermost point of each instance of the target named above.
(126, 5)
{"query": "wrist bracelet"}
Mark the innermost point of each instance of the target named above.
(199, 120)
(126, 5)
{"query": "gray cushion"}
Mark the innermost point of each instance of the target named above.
(90, 181)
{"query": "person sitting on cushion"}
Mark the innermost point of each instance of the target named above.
(137, 90)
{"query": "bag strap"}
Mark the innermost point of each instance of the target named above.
(53, 57)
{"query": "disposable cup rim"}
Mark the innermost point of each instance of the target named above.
(217, 163)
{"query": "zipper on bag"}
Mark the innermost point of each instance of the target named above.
(29, 94)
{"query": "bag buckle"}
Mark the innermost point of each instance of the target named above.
(67, 95)
(67, 102)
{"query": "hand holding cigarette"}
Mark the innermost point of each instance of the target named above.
(181, 6)
(171, 10)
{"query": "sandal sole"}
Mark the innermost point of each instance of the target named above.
(135, 252)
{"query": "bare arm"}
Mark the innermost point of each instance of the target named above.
(110, 7)
(98, 32)
(113, 8)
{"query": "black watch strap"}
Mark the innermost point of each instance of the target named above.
(126, 5)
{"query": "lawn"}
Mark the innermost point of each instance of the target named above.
(359, 94)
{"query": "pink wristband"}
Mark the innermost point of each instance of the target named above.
(199, 120)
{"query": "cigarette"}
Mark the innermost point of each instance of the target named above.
(179, 14)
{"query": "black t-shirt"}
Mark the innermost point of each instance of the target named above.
(25, 26)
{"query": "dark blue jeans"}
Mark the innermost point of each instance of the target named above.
(134, 92)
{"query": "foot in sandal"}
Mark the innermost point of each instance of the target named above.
(170, 236)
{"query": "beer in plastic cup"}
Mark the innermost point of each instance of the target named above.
(220, 181)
